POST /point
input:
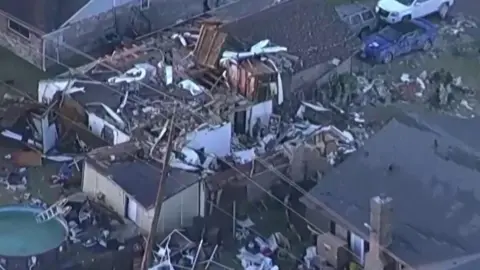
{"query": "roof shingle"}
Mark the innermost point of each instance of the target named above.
(310, 29)
(435, 189)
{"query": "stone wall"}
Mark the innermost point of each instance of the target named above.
(28, 49)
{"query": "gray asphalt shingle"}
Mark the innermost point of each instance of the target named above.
(140, 180)
(436, 191)
(310, 29)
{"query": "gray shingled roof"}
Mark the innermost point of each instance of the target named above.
(436, 191)
(46, 15)
(310, 29)
(140, 180)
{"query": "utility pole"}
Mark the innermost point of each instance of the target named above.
(147, 255)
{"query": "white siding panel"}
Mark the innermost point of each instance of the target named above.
(94, 182)
(114, 195)
(89, 181)
(179, 210)
(144, 219)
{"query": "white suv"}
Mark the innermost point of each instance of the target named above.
(393, 11)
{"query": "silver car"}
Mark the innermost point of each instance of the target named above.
(361, 19)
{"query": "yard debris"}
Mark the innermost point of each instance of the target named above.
(27, 158)
(16, 181)
(64, 174)
(260, 48)
(459, 24)
(259, 253)
(177, 250)
(349, 93)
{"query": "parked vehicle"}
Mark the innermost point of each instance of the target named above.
(361, 19)
(398, 39)
(393, 11)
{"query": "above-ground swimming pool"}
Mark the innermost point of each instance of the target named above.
(22, 236)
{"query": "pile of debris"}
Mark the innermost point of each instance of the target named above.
(94, 226)
(177, 251)
(348, 94)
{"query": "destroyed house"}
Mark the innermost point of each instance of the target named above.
(116, 107)
(168, 68)
(318, 42)
(413, 188)
(245, 72)
(128, 182)
(37, 125)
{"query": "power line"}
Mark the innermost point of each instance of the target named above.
(268, 166)
(146, 260)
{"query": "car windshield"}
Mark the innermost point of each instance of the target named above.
(406, 2)
(390, 34)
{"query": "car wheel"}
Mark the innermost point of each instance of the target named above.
(427, 45)
(407, 18)
(387, 58)
(443, 10)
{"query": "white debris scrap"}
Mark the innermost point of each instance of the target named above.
(245, 156)
(457, 81)
(192, 87)
(335, 61)
(405, 78)
(259, 48)
(465, 104)
(137, 73)
(421, 83)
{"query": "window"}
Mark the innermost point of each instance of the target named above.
(355, 19)
(18, 29)
(368, 15)
(145, 4)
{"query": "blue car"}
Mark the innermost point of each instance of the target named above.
(398, 39)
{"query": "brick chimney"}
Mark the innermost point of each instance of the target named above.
(381, 211)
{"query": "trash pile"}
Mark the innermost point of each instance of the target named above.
(440, 90)
(177, 251)
(458, 25)
(257, 253)
(94, 226)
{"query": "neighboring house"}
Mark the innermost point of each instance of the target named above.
(130, 186)
(38, 30)
(310, 29)
(427, 168)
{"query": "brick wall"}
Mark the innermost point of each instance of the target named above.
(28, 49)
